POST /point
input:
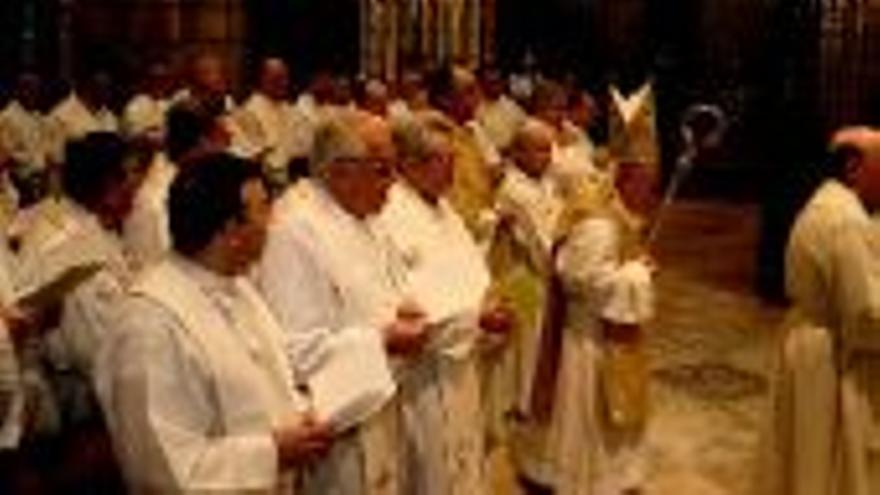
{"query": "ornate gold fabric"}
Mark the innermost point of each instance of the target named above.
(431, 32)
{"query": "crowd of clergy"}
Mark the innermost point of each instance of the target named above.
(177, 277)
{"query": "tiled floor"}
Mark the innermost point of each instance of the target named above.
(712, 348)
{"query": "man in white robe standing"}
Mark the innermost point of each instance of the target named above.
(328, 267)
(825, 438)
(195, 384)
(98, 191)
(529, 205)
(192, 130)
(600, 409)
(447, 275)
(144, 115)
(272, 123)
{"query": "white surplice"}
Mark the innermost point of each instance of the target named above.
(447, 276)
(89, 312)
(146, 230)
(501, 120)
(72, 119)
(827, 401)
(25, 136)
(573, 159)
(324, 270)
(144, 115)
(591, 456)
(535, 207)
(193, 382)
(279, 127)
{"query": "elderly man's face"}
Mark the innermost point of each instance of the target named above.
(433, 176)
(534, 153)
(361, 184)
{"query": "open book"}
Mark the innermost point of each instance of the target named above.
(354, 381)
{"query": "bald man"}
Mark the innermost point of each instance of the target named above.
(271, 122)
(826, 392)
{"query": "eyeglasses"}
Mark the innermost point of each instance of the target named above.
(380, 166)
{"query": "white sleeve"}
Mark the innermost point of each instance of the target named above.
(88, 315)
(856, 285)
(146, 232)
(157, 394)
(300, 295)
(621, 292)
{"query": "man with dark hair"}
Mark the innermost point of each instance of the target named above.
(98, 192)
(826, 394)
(197, 389)
(193, 129)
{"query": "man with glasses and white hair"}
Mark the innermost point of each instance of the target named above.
(327, 270)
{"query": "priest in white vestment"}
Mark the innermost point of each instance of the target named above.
(825, 439)
(446, 274)
(197, 389)
(23, 127)
(455, 92)
(144, 115)
(84, 110)
(98, 192)
(573, 151)
(529, 205)
(272, 123)
(327, 269)
(191, 130)
(207, 81)
(601, 403)
(498, 114)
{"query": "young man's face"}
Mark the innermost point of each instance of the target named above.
(247, 236)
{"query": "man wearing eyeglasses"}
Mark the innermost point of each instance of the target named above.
(326, 270)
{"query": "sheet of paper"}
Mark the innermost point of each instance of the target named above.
(354, 381)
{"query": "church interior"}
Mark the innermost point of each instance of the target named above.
(746, 95)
